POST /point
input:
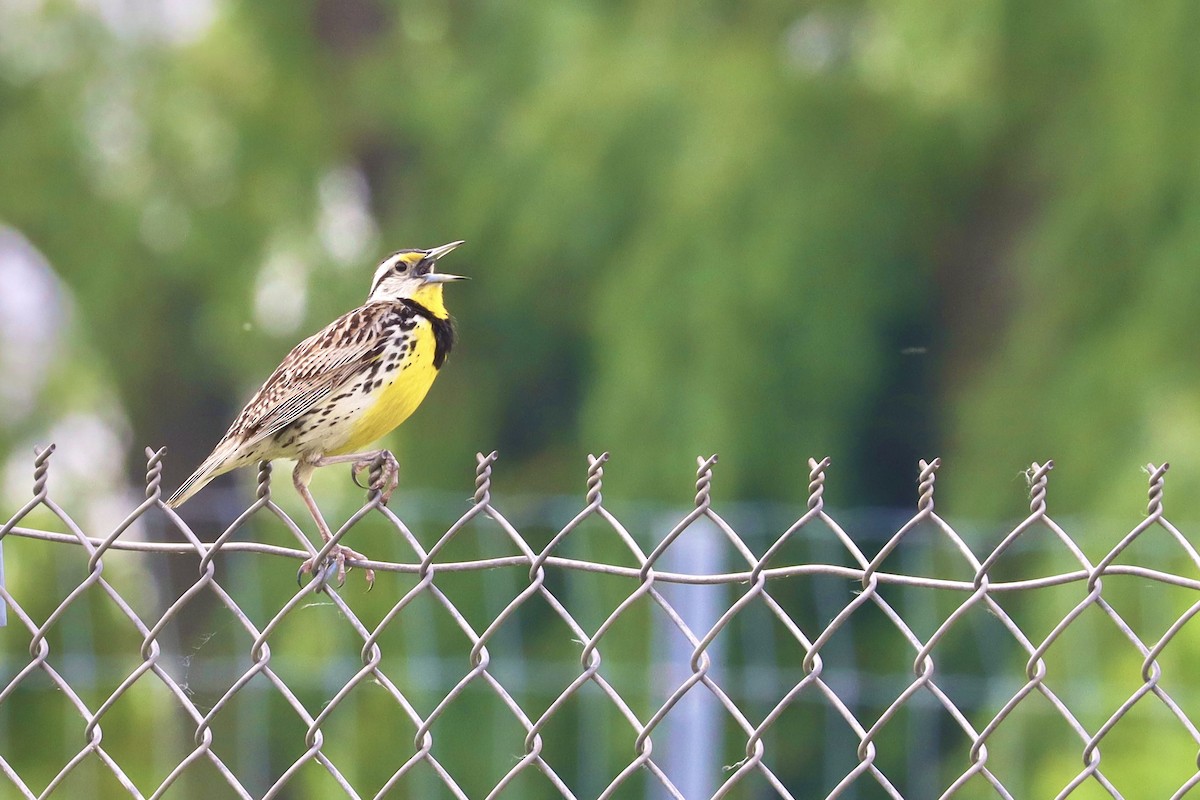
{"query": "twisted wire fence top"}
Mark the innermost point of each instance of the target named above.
(692, 674)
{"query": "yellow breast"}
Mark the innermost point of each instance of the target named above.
(395, 401)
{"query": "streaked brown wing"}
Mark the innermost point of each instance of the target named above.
(314, 369)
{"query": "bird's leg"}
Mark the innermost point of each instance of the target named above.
(389, 474)
(338, 555)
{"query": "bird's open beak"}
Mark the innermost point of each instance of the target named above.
(442, 277)
(438, 252)
(435, 254)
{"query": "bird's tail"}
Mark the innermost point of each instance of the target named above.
(220, 461)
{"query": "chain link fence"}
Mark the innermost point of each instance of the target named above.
(603, 655)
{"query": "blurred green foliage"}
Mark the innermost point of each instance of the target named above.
(686, 237)
(875, 231)
(871, 230)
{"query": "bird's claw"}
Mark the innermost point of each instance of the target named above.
(385, 481)
(334, 564)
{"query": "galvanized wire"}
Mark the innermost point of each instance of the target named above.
(755, 582)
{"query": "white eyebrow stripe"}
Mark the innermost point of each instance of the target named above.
(385, 267)
(380, 272)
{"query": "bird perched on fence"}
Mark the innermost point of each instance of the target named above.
(344, 387)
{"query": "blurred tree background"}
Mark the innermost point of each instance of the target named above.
(877, 231)
(874, 231)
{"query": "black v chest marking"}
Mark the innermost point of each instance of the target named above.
(443, 331)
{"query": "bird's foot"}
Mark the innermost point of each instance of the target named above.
(334, 564)
(384, 476)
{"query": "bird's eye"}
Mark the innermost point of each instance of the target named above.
(400, 268)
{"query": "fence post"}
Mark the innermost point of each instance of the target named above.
(694, 728)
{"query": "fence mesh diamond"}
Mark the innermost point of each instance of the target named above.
(603, 655)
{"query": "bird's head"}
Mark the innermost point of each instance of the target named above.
(409, 274)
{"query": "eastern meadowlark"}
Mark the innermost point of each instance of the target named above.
(344, 387)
